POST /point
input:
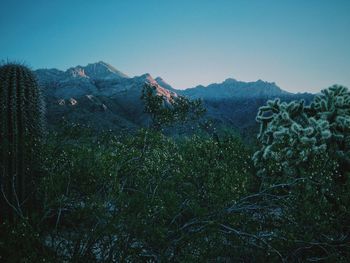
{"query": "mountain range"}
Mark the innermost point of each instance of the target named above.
(105, 98)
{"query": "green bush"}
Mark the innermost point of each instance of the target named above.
(138, 198)
(171, 109)
(304, 158)
(146, 197)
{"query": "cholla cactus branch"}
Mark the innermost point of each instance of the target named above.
(291, 132)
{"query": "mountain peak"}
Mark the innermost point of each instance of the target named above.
(230, 81)
(98, 70)
(103, 70)
(148, 78)
(103, 63)
(164, 84)
(146, 75)
(231, 88)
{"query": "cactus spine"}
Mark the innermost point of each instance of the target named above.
(291, 132)
(21, 128)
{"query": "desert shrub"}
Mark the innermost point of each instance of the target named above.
(305, 158)
(165, 110)
(21, 242)
(136, 198)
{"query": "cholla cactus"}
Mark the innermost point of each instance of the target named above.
(291, 133)
(21, 126)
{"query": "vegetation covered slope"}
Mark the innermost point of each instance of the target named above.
(146, 197)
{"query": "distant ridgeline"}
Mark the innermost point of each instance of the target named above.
(100, 96)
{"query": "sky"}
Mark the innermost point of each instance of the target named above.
(301, 45)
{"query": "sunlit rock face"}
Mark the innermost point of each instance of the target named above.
(77, 72)
(97, 79)
(99, 70)
(164, 84)
(97, 94)
(105, 98)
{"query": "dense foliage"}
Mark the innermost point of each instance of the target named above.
(170, 110)
(149, 197)
(141, 197)
(307, 150)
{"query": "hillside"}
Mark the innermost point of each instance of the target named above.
(104, 98)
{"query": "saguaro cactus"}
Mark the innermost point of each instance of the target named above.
(21, 128)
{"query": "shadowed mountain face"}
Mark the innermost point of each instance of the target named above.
(232, 88)
(104, 98)
(97, 95)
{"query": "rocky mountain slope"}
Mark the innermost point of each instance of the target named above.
(231, 88)
(104, 98)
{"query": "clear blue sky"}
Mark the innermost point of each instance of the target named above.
(302, 45)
